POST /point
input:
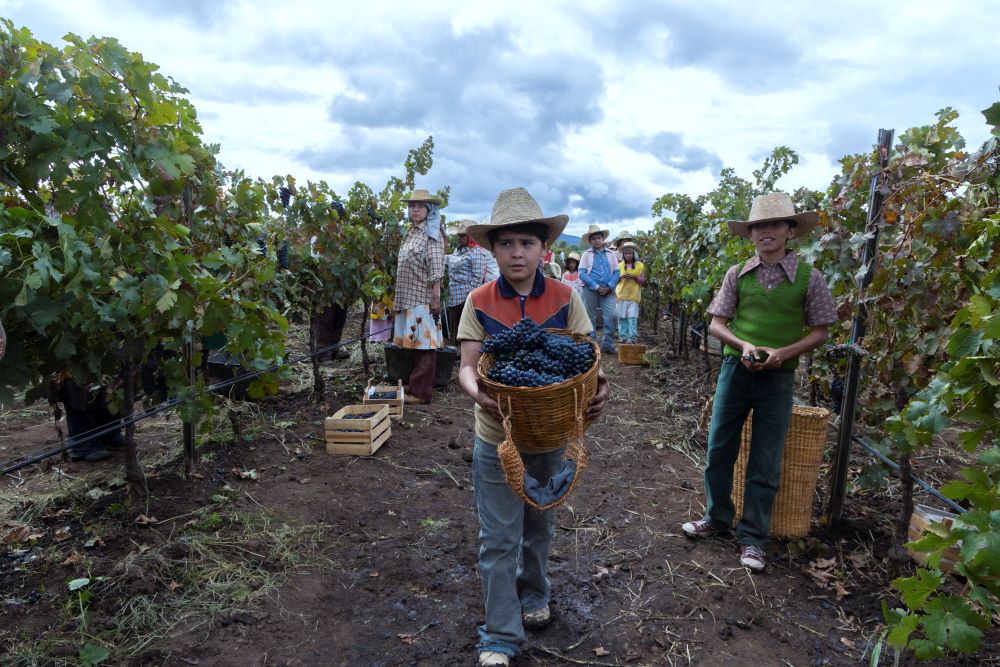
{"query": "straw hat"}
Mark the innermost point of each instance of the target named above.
(775, 206)
(629, 246)
(462, 226)
(625, 234)
(594, 229)
(575, 256)
(515, 207)
(422, 197)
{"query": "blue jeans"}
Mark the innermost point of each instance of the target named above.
(514, 554)
(594, 301)
(769, 395)
(628, 328)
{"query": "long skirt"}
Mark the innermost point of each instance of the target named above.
(417, 329)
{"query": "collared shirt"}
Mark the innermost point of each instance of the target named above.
(420, 264)
(600, 273)
(819, 306)
(468, 268)
(497, 306)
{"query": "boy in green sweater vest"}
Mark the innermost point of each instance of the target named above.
(769, 311)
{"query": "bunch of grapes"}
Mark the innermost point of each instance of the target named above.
(529, 356)
(285, 194)
(338, 206)
(283, 255)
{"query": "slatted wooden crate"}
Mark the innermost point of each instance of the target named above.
(921, 519)
(395, 404)
(357, 437)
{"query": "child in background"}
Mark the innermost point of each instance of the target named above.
(572, 273)
(629, 293)
(381, 319)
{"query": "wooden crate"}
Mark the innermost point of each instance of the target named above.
(357, 437)
(395, 404)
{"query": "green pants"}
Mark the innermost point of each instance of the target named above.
(769, 395)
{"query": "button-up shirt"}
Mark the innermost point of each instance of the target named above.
(601, 274)
(467, 270)
(420, 265)
(819, 307)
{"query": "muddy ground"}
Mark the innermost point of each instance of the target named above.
(276, 553)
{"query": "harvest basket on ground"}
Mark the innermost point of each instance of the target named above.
(357, 430)
(542, 419)
(378, 394)
(800, 462)
(631, 354)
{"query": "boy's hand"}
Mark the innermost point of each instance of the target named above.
(487, 403)
(749, 357)
(774, 358)
(600, 399)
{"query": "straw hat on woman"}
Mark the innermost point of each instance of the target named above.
(418, 292)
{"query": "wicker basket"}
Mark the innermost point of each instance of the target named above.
(631, 354)
(799, 470)
(543, 418)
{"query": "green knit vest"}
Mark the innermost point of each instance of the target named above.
(771, 318)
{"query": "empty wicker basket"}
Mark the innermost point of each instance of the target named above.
(631, 354)
(799, 470)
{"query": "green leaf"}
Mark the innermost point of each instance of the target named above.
(951, 622)
(916, 589)
(92, 654)
(167, 301)
(981, 553)
(992, 114)
(964, 343)
(903, 628)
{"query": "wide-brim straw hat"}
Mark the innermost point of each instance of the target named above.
(575, 256)
(516, 206)
(629, 246)
(775, 206)
(462, 226)
(422, 197)
(594, 229)
(625, 234)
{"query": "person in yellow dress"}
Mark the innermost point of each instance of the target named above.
(629, 292)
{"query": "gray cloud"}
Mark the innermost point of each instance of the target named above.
(250, 93)
(671, 149)
(748, 52)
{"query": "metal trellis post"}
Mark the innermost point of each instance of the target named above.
(838, 481)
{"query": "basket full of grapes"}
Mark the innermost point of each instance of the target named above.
(543, 380)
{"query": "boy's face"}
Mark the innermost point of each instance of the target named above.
(596, 240)
(518, 255)
(770, 236)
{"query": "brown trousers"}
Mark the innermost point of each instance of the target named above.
(454, 317)
(422, 375)
(327, 326)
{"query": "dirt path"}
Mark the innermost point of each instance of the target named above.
(393, 577)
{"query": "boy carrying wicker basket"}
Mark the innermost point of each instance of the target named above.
(513, 556)
(769, 311)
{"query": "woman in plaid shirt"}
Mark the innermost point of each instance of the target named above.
(418, 293)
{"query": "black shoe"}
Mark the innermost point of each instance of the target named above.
(91, 456)
(114, 441)
(342, 354)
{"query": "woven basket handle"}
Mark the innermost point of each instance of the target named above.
(513, 465)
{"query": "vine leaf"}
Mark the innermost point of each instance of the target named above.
(917, 589)
(950, 622)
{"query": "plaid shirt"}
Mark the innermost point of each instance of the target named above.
(421, 263)
(467, 270)
(819, 306)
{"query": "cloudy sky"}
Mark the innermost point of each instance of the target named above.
(596, 107)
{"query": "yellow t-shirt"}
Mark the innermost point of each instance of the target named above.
(470, 328)
(629, 290)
